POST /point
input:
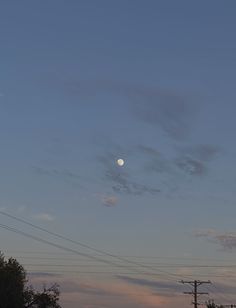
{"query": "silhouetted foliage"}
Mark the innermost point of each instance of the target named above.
(12, 282)
(48, 298)
(14, 293)
(211, 304)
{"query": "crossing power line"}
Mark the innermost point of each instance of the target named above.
(84, 245)
(100, 259)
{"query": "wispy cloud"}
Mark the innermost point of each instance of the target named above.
(121, 181)
(21, 208)
(153, 284)
(172, 112)
(43, 217)
(109, 201)
(70, 286)
(226, 240)
(66, 175)
(191, 161)
(194, 160)
(204, 233)
(117, 295)
(202, 152)
(191, 166)
(154, 161)
(117, 292)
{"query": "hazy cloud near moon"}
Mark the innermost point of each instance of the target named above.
(120, 180)
(191, 161)
(166, 111)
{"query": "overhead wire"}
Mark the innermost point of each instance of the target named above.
(96, 258)
(105, 253)
(128, 256)
(100, 252)
(59, 246)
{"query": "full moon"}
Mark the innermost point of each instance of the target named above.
(120, 162)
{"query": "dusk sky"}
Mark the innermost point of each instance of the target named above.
(84, 83)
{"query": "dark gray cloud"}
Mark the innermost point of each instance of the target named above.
(172, 112)
(148, 150)
(123, 184)
(194, 160)
(169, 112)
(191, 166)
(203, 152)
(154, 160)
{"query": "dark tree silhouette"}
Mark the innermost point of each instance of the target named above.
(14, 292)
(12, 282)
(48, 298)
(211, 304)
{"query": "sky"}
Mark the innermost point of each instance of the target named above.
(84, 83)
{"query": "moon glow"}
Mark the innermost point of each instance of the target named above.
(120, 162)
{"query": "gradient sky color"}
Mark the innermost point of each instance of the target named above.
(83, 83)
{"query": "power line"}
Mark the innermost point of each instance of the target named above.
(166, 265)
(131, 256)
(58, 245)
(80, 253)
(105, 253)
(158, 265)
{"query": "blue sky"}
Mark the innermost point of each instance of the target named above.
(83, 83)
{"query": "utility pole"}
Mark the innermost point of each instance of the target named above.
(195, 284)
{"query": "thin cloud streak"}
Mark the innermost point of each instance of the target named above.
(189, 161)
(109, 201)
(172, 112)
(43, 217)
(226, 240)
(155, 285)
(194, 160)
(66, 175)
